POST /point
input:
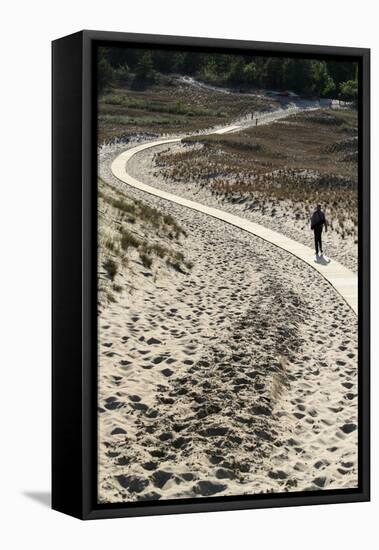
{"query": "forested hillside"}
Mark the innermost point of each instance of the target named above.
(140, 68)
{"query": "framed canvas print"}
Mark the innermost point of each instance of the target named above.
(210, 274)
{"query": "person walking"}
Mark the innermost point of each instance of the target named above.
(318, 221)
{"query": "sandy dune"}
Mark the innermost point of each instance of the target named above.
(235, 378)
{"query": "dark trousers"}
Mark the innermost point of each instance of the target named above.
(318, 243)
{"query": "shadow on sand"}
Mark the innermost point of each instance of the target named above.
(323, 260)
(42, 497)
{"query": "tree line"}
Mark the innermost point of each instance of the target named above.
(142, 67)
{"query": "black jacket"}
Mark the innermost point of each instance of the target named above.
(318, 219)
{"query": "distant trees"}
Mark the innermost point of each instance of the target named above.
(349, 90)
(191, 63)
(250, 72)
(273, 72)
(297, 76)
(323, 84)
(105, 72)
(144, 67)
(209, 70)
(144, 71)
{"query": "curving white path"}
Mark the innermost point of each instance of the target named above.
(341, 278)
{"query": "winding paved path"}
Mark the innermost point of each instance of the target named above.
(341, 278)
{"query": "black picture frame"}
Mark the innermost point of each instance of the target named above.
(74, 274)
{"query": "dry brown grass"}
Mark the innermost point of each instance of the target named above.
(162, 109)
(307, 158)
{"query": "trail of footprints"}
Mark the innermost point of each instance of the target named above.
(238, 378)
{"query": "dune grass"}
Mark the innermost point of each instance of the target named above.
(161, 109)
(307, 158)
(130, 230)
(110, 267)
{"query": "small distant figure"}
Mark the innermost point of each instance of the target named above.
(318, 221)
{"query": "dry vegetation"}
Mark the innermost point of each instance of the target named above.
(307, 158)
(162, 109)
(132, 232)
